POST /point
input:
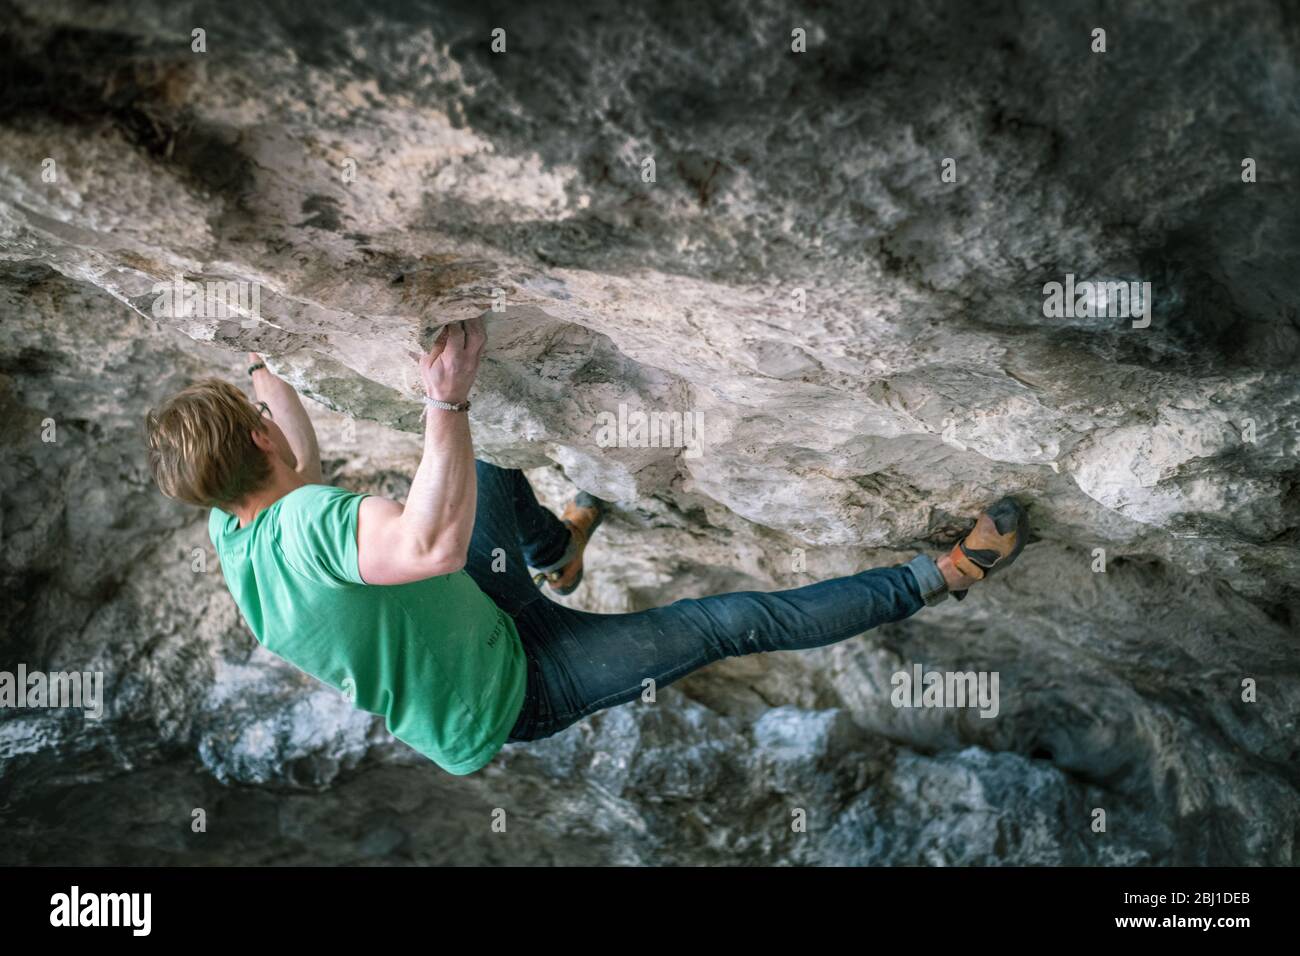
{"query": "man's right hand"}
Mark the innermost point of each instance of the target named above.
(449, 368)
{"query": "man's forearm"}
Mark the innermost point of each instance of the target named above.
(288, 413)
(439, 511)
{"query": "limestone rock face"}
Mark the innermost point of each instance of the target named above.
(823, 272)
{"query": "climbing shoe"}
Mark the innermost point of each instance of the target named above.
(996, 540)
(582, 516)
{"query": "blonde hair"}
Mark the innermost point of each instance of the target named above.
(200, 449)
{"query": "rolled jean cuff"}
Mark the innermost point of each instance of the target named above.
(929, 579)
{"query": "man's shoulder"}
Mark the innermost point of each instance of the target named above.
(218, 524)
(312, 499)
(316, 532)
(312, 510)
(302, 502)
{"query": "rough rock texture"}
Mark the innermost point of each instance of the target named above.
(377, 171)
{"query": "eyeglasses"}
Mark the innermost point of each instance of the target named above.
(264, 409)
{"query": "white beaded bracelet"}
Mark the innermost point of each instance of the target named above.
(445, 406)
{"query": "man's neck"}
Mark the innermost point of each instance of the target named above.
(283, 483)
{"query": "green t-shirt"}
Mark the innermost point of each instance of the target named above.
(437, 658)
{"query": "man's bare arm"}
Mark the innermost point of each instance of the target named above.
(287, 412)
(430, 535)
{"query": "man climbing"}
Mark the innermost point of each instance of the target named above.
(424, 612)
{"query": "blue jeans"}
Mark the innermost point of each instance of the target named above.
(579, 663)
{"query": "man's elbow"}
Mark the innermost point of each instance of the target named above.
(447, 564)
(442, 557)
